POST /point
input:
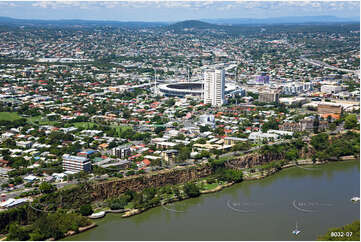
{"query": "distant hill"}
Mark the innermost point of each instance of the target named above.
(196, 24)
(282, 20)
(277, 25)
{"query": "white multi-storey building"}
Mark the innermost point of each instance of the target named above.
(121, 151)
(214, 85)
(76, 163)
(207, 120)
(331, 89)
(293, 88)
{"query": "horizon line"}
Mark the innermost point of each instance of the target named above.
(351, 18)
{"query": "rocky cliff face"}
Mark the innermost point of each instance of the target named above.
(253, 159)
(256, 159)
(110, 189)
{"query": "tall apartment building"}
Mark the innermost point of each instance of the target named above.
(121, 151)
(214, 87)
(270, 96)
(76, 163)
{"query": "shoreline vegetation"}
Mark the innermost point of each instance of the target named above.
(347, 232)
(220, 187)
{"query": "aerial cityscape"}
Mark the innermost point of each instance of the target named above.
(170, 120)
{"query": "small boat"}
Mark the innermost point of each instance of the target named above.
(296, 231)
(355, 199)
(97, 215)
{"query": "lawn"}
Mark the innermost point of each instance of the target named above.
(69, 186)
(209, 186)
(41, 121)
(120, 128)
(9, 116)
(86, 125)
(91, 125)
(130, 205)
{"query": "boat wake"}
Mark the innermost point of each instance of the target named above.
(232, 207)
(172, 210)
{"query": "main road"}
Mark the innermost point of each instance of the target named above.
(323, 64)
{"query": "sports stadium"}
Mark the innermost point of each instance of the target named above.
(181, 89)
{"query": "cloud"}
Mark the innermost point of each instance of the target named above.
(63, 4)
(179, 9)
(44, 4)
(216, 4)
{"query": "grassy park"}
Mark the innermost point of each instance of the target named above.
(9, 116)
(41, 120)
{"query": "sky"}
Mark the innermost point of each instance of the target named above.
(174, 10)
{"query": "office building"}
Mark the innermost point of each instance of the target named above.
(331, 89)
(214, 86)
(328, 108)
(262, 79)
(270, 96)
(76, 163)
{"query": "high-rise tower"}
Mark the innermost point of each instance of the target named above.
(214, 87)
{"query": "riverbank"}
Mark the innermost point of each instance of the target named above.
(220, 187)
(303, 162)
(80, 230)
(67, 234)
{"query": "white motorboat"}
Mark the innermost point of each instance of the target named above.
(296, 231)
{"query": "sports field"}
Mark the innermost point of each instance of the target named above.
(9, 116)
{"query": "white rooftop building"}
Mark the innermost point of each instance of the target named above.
(258, 136)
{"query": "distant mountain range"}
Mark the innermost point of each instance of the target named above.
(80, 22)
(192, 24)
(200, 24)
(283, 20)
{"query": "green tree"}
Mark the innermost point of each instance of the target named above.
(351, 121)
(320, 141)
(332, 126)
(316, 124)
(16, 232)
(229, 175)
(291, 154)
(86, 210)
(47, 188)
(191, 190)
(272, 124)
(351, 232)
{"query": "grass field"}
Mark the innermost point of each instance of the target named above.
(9, 116)
(90, 125)
(35, 118)
(130, 205)
(210, 186)
(86, 125)
(41, 121)
(120, 128)
(68, 186)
